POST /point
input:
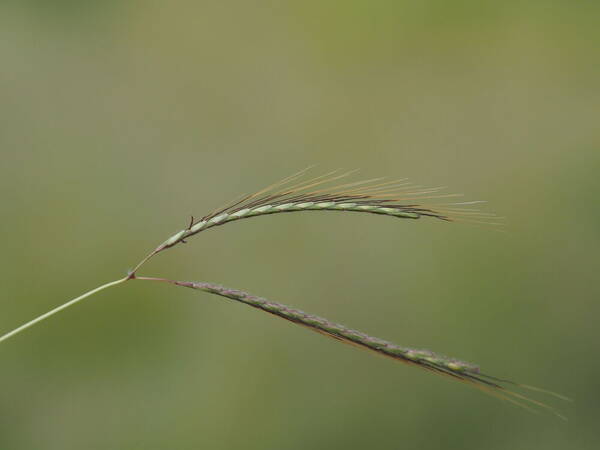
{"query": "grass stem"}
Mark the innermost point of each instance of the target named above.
(60, 308)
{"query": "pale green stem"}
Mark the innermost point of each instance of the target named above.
(60, 308)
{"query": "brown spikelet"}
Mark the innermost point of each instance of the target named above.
(453, 368)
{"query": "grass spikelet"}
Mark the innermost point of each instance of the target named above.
(425, 359)
(394, 198)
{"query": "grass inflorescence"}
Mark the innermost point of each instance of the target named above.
(397, 199)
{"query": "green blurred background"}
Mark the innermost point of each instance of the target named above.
(120, 119)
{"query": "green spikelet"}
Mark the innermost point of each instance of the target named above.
(397, 199)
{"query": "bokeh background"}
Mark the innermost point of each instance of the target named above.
(119, 119)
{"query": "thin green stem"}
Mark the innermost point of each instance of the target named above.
(60, 308)
(143, 261)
